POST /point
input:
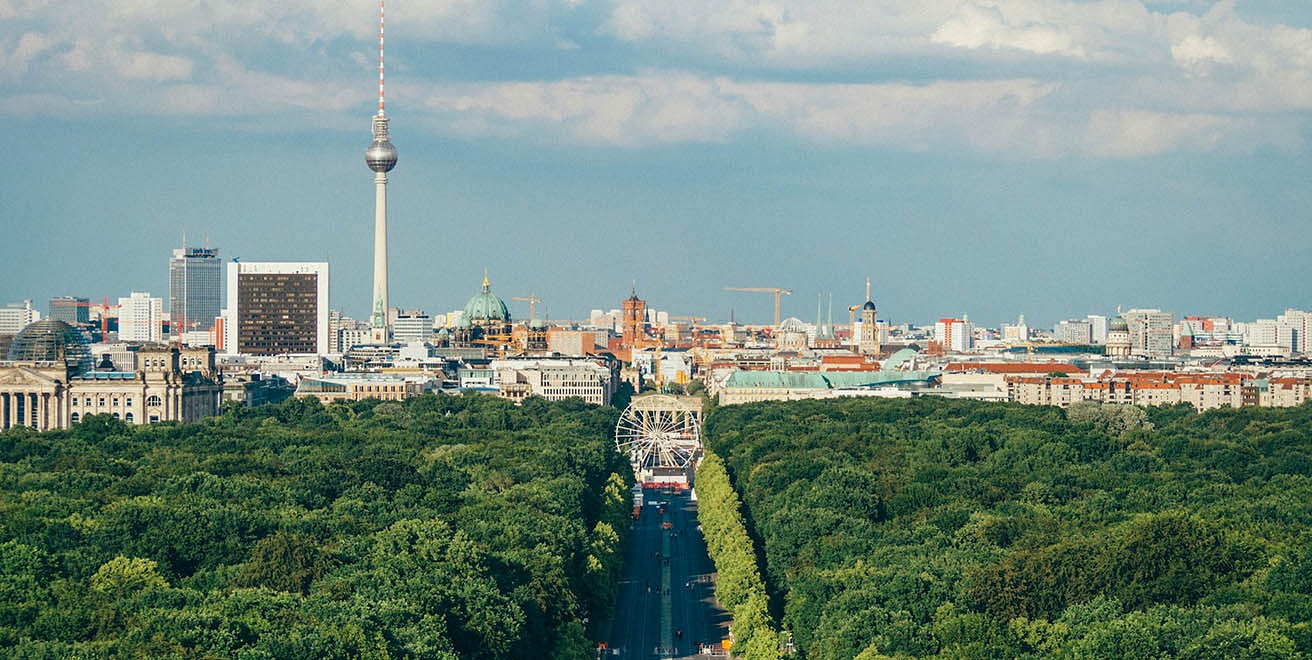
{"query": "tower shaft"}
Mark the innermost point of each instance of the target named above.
(378, 318)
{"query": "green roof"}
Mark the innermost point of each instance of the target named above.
(485, 307)
(824, 380)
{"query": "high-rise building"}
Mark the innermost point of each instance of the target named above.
(1299, 323)
(15, 317)
(141, 317)
(195, 285)
(277, 308)
(70, 310)
(1152, 332)
(412, 325)
(381, 158)
(955, 334)
(1073, 332)
(1097, 328)
(1019, 333)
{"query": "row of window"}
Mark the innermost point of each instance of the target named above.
(129, 418)
(152, 400)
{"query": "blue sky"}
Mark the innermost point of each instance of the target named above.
(985, 157)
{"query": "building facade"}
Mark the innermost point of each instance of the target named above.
(554, 379)
(13, 318)
(141, 318)
(277, 308)
(1152, 332)
(195, 287)
(70, 310)
(634, 320)
(46, 383)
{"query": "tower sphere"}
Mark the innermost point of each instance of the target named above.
(380, 156)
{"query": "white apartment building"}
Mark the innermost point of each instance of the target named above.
(1299, 323)
(141, 317)
(1097, 328)
(14, 318)
(411, 326)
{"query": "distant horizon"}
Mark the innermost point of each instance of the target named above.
(42, 305)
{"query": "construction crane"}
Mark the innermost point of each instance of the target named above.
(532, 301)
(755, 289)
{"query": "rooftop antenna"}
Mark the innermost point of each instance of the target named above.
(381, 113)
(867, 288)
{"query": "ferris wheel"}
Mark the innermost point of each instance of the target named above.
(660, 431)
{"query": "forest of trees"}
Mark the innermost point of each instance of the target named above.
(738, 585)
(440, 527)
(931, 528)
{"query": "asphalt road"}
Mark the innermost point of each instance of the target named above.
(666, 605)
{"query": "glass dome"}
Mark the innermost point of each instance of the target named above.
(50, 340)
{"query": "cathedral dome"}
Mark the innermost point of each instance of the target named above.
(1118, 324)
(51, 340)
(486, 306)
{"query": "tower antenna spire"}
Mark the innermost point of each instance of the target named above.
(381, 113)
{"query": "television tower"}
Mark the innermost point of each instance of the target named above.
(381, 158)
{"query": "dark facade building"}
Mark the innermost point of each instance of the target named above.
(277, 309)
(195, 287)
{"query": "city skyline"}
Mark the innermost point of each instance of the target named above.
(1046, 158)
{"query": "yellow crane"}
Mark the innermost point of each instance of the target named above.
(756, 289)
(532, 301)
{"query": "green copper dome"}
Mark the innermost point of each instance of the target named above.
(485, 307)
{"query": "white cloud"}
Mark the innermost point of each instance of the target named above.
(1018, 77)
(29, 47)
(614, 110)
(978, 25)
(1129, 133)
(152, 66)
(1194, 50)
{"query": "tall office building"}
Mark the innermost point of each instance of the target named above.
(195, 284)
(70, 310)
(277, 308)
(141, 318)
(1152, 332)
(381, 158)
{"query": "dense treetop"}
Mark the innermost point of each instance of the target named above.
(439, 527)
(934, 528)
